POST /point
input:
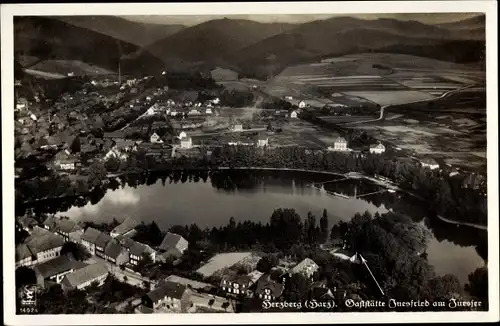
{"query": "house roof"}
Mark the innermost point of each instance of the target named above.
(44, 242)
(85, 274)
(91, 235)
(276, 289)
(303, 265)
(56, 266)
(22, 252)
(127, 225)
(138, 249)
(171, 240)
(232, 276)
(340, 140)
(113, 249)
(124, 144)
(102, 240)
(27, 221)
(67, 226)
(115, 134)
(429, 161)
(377, 146)
(167, 289)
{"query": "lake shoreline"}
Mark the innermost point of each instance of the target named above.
(349, 175)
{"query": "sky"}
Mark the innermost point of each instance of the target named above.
(189, 20)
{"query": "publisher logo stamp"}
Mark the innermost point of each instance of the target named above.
(28, 299)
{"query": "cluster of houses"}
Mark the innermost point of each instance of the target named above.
(239, 279)
(41, 251)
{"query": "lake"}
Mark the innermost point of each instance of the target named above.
(212, 200)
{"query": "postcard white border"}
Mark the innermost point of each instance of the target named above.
(10, 10)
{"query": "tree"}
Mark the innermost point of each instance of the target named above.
(125, 278)
(97, 173)
(445, 287)
(225, 305)
(323, 227)
(264, 265)
(75, 145)
(78, 251)
(478, 284)
(296, 289)
(25, 276)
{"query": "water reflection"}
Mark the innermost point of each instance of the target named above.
(210, 199)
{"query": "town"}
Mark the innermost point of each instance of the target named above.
(368, 132)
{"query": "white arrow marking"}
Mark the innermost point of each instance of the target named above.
(364, 262)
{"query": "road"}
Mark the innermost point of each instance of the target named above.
(382, 109)
(132, 278)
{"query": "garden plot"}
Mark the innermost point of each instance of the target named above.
(393, 97)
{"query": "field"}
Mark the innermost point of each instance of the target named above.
(64, 67)
(385, 79)
(441, 137)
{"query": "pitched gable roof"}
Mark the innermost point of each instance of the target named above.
(171, 240)
(91, 235)
(102, 240)
(167, 289)
(275, 289)
(300, 267)
(113, 249)
(56, 266)
(127, 225)
(85, 274)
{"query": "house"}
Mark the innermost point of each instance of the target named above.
(182, 135)
(168, 295)
(89, 239)
(115, 253)
(61, 226)
(172, 246)
(208, 111)
(53, 271)
(319, 291)
(339, 145)
(377, 149)
(288, 98)
(125, 145)
(137, 250)
(126, 228)
(238, 127)
(293, 115)
(233, 283)
(221, 74)
(155, 138)
(194, 112)
(114, 135)
(302, 104)
(85, 276)
(262, 140)
(429, 163)
(267, 289)
(100, 244)
(190, 284)
(307, 267)
(41, 246)
(27, 222)
(187, 143)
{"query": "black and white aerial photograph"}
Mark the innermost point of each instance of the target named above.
(249, 163)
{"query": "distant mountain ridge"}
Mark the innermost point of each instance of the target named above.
(249, 47)
(49, 39)
(140, 34)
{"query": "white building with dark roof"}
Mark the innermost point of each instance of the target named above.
(377, 148)
(168, 294)
(340, 145)
(53, 271)
(116, 253)
(85, 276)
(126, 228)
(429, 163)
(42, 245)
(173, 245)
(89, 238)
(307, 267)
